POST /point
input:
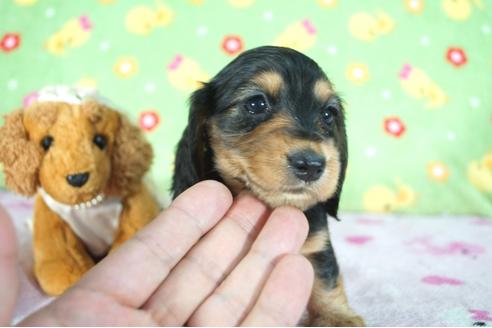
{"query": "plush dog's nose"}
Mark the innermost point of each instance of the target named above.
(307, 165)
(78, 180)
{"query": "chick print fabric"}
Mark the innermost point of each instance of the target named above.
(415, 76)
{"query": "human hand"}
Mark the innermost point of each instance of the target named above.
(200, 262)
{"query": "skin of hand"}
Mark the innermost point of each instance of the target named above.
(206, 260)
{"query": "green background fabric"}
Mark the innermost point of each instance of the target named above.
(416, 76)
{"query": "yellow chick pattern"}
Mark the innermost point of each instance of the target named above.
(416, 83)
(185, 74)
(414, 76)
(241, 3)
(25, 2)
(460, 10)
(73, 34)
(480, 173)
(382, 198)
(142, 20)
(370, 26)
(300, 36)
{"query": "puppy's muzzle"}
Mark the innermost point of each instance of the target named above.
(307, 165)
(78, 180)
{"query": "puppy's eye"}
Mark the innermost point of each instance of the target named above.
(257, 104)
(328, 115)
(46, 142)
(100, 141)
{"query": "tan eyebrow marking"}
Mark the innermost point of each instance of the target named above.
(322, 90)
(271, 81)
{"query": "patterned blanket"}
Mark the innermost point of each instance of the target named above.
(398, 271)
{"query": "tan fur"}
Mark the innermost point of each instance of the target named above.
(20, 157)
(266, 148)
(270, 81)
(322, 90)
(135, 214)
(315, 242)
(131, 158)
(329, 307)
(60, 257)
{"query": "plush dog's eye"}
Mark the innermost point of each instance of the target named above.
(257, 104)
(100, 141)
(328, 114)
(46, 142)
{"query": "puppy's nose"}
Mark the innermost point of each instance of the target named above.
(78, 180)
(307, 165)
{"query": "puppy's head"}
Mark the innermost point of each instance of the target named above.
(269, 122)
(74, 152)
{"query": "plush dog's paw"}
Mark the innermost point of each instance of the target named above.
(337, 320)
(56, 277)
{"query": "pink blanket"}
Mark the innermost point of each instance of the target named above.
(398, 271)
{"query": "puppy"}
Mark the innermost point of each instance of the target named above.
(270, 122)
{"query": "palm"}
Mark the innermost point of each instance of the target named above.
(189, 266)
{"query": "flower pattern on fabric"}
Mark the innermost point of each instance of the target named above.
(357, 73)
(10, 42)
(456, 56)
(327, 3)
(437, 171)
(232, 44)
(126, 67)
(149, 120)
(394, 126)
(414, 77)
(414, 6)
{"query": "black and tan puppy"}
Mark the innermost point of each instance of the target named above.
(271, 123)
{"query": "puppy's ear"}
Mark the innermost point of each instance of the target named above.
(193, 160)
(331, 205)
(21, 158)
(130, 159)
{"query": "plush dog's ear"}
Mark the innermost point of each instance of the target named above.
(193, 160)
(130, 159)
(20, 156)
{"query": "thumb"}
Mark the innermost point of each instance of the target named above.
(9, 279)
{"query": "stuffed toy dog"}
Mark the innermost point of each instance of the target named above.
(85, 162)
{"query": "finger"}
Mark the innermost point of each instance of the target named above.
(9, 279)
(283, 300)
(205, 266)
(284, 232)
(132, 273)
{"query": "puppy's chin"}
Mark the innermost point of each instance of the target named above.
(301, 197)
(301, 200)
